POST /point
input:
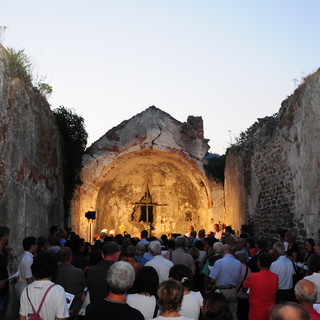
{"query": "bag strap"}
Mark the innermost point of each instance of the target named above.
(42, 301)
(244, 278)
(155, 313)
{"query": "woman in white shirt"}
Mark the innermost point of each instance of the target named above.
(192, 301)
(143, 294)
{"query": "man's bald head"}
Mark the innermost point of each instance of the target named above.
(306, 292)
(289, 311)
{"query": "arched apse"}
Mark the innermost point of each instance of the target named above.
(174, 182)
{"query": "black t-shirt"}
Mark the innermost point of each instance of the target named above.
(105, 309)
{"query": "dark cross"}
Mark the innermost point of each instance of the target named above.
(146, 207)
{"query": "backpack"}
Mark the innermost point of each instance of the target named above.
(36, 314)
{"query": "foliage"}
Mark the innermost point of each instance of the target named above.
(45, 88)
(215, 167)
(74, 140)
(19, 65)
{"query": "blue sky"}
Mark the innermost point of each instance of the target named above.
(230, 62)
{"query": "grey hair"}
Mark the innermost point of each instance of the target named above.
(155, 248)
(241, 256)
(279, 247)
(181, 241)
(217, 246)
(303, 296)
(120, 277)
(140, 249)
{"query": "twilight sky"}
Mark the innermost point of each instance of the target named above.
(229, 61)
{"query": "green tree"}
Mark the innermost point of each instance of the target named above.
(215, 167)
(74, 141)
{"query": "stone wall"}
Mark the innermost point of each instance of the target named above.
(31, 189)
(273, 177)
(152, 150)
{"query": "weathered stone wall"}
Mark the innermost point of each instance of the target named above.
(31, 189)
(275, 173)
(155, 150)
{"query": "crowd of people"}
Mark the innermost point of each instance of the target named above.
(200, 275)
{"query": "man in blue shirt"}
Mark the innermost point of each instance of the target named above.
(225, 274)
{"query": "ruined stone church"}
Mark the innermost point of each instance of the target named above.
(148, 171)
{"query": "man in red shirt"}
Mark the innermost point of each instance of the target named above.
(263, 287)
(306, 293)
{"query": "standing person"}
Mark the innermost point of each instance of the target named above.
(314, 272)
(263, 289)
(24, 264)
(284, 268)
(144, 292)
(218, 232)
(179, 256)
(261, 246)
(161, 264)
(226, 273)
(4, 285)
(309, 247)
(55, 305)
(120, 278)
(306, 293)
(192, 300)
(72, 279)
(96, 275)
(293, 251)
(170, 294)
(144, 238)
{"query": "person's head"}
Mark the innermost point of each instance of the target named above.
(289, 311)
(140, 249)
(193, 234)
(229, 229)
(241, 256)
(146, 281)
(171, 243)
(194, 252)
(290, 236)
(43, 243)
(29, 244)
(215, 306)
(170, 295)
(306, 292)
(181, 242)
(264, 261)
(120, 277)
(144, 234)
(181, 273)
(261, 244)
(201, 233)
(4, 235)
(130, 251)
(217, 246)
(225, 249)
(155, 248)
(278, 249)
(241, 243)
(54, 230)
(282, 234)
(317, 246)
(313, 263)
(65, 255)
(44, 265)
(216, 227)
(111, 251)
(191, 228)
(309, 245)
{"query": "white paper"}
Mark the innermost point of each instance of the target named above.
(69, 298)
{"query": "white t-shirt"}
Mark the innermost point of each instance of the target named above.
(145, 304)
(24, 267)
(55, 303)
(191, 305)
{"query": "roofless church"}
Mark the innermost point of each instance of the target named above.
(147, 173)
